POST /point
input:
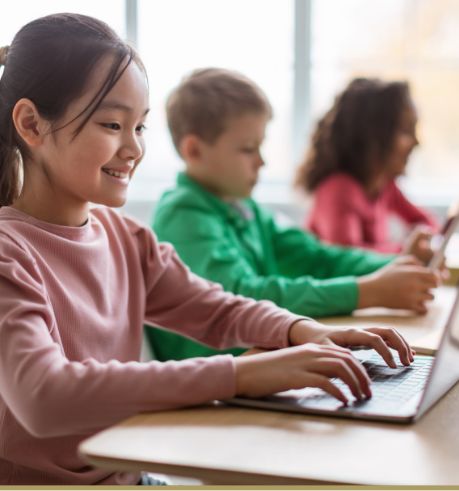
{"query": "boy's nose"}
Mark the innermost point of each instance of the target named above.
(260, 160)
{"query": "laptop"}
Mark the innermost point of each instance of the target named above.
(440, 242)
(400, 395)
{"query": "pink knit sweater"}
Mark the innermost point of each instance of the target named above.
(343, 214)
(72, 304)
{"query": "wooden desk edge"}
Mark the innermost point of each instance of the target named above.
(207, 476)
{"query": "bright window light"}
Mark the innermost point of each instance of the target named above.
(254, 37)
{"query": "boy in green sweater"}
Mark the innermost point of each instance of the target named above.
(217, 119)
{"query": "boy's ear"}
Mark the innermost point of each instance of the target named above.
(191, 148)
(28, 122)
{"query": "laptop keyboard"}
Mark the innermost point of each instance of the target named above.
(390, 386)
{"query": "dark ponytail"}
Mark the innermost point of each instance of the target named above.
(9, 158)
(49, 62)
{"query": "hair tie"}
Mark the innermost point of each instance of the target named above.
(3, 54)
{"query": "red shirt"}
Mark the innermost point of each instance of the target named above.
(342, 213)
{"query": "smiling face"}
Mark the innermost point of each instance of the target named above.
(68, 172)
(229, 167)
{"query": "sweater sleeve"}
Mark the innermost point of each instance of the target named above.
(408, 212)
(51, 395)
(183, 302)
(300, 252)
(316, 280)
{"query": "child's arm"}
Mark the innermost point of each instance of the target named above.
(299, 252)
(57, 385)
(53, 395)
(183, 302)
(288, 272)
(224, 318)
(408, 212)
(403, 283)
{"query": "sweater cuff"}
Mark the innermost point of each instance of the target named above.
(222, 382)
(281, 321)
(343, 294)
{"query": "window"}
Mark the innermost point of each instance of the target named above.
(391, 39)
(20, 12)
(254, 37)
(414, 40)
(333, 41)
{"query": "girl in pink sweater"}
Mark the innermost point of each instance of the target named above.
(77, 283)
(359, 148)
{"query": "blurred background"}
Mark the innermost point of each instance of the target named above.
(301, 52)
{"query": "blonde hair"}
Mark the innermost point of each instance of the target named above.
(207, 98)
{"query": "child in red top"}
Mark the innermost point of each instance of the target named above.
(359, 148)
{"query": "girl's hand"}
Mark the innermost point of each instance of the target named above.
(308, 365)
(418, 244)
(378, 338)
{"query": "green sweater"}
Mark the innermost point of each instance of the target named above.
(242, 247)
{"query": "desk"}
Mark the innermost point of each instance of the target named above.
(228, 445)
(422, 332)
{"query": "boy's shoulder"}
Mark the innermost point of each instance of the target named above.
(189, 196)
(185, 211)
(193, 199)
(191, 211)
(182, 196)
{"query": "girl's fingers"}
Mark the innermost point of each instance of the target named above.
(361, 374)
(428, 279)
(379, 338)
(345, 355)
(358, 371)
(396, 341)
(427, 296)
(322, 382)
(353, 376)
(365, 337)
(420, 307)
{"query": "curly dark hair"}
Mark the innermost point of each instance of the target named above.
(356, 135)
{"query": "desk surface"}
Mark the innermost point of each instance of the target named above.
(422, 332)
(228, 445)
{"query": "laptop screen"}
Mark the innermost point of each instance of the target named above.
(445, 370)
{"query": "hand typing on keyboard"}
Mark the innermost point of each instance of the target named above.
(320, 357)
(381, 339)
